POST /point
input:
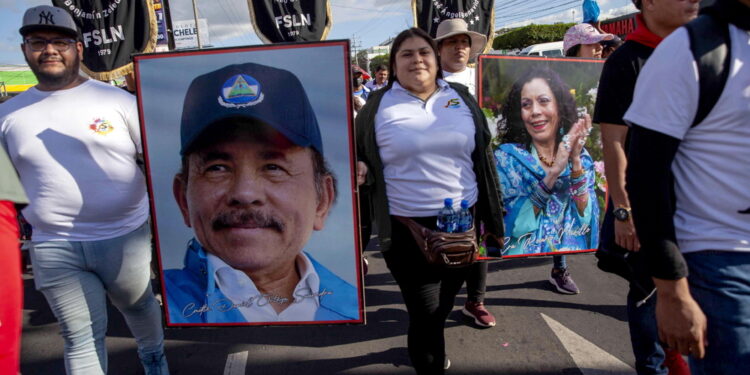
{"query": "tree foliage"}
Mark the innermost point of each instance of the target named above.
(378, 60)
(531, 34)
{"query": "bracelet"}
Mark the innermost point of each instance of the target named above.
(578, 184)
(538, 202)
(577, 180)
(539, 195)
(580, 198)
(545, 188)
(578, 190)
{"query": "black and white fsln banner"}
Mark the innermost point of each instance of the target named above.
(111, 31)
(277, 21)
(478, 14)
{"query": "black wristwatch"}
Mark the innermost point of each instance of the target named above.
(622, 213)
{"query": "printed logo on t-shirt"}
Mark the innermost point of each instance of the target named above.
(453, 103)
(101, 126)
(239, 91)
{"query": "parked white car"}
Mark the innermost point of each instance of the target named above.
(543, 49)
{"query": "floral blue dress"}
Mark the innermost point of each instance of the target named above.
(559, 226)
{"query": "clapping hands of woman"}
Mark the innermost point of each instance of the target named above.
(569, 150)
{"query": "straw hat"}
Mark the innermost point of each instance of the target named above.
(457, 26)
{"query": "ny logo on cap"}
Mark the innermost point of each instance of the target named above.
(46, 18)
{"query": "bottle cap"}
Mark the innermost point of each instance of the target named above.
(448, 202)
(464, 203)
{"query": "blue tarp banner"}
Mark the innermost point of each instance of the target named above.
(590, 11)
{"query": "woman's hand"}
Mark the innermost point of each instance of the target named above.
(361, 173)
(565, 149)
(582, 129)
(569, 150)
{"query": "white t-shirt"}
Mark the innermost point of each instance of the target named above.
(712, 165)
(426, 150)
(75, 151)
(466, 77)
(255, 306)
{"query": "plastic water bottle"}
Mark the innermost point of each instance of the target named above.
(447, 218)
(465, 218)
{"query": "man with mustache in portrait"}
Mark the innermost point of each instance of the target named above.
(253, 186)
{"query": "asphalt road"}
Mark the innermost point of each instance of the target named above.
(539, 332)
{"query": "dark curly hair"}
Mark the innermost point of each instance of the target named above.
(566, 106)
(396, 46)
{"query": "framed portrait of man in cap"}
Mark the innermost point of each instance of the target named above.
(249, 161)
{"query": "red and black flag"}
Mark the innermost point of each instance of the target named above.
(278, 21)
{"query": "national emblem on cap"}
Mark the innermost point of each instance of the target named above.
(239, 91)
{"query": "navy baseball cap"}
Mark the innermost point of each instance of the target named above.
(259, 92)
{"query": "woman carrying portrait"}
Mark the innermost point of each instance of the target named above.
(546, 175)
(420, 140)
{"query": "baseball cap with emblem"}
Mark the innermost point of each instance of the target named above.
(270, 95)
(48, 18)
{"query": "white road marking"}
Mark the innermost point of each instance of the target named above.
(590, 359)
(236, 363)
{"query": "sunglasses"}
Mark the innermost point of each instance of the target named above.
(39, 44)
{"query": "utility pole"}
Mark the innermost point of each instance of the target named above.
(355, 46)
(197, 27)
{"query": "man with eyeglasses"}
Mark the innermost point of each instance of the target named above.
(75, 144)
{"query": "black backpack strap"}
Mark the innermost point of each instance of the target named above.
(710, 45)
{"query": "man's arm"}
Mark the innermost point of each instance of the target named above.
(650, 186)
(615, 163)
(133, 123)
(682, 324)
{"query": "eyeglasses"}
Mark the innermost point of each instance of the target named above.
(39, 44)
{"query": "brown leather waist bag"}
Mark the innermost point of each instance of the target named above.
(444, 249)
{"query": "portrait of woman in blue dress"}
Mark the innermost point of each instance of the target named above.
(546, 175)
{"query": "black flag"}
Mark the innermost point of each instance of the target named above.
(290, 21)
(478, 14)
(111, 31)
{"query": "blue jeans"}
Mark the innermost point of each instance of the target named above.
(559, 263)
(644, 336)
(75, 278)
(720, 283)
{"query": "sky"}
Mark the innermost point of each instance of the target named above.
(366, 22)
